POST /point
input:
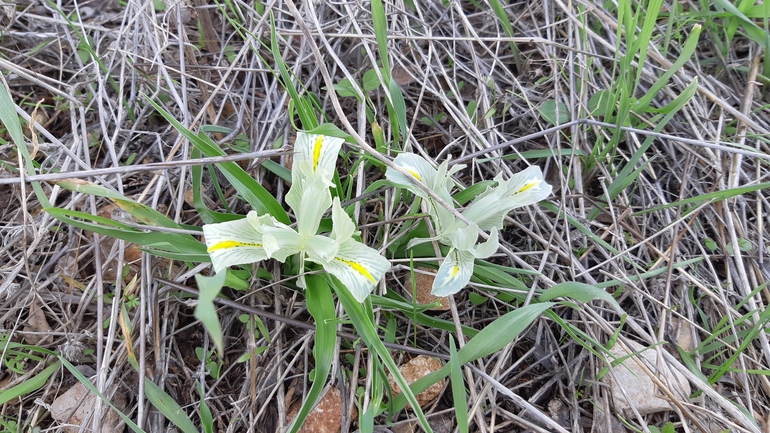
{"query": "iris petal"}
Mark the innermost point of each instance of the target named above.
(454, 273)
(319, 152)
(522, 189)
(233, 243)
(358, 267)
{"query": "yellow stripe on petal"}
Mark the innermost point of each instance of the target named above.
(413, 173)
(358, 268)
(231, 244)
(529, 185)
(317, 151)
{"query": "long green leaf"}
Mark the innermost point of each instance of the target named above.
(630, 172)
(140, 212)
(321, 306)
(207, 420)
(303, 106)
(580, 291)
(172, 245)
(168, 407)
(30, 385)
(649, 22)
(368, 333)
(715, 196)
(394, 301)
(458, 389)
(508, 29)
(399, 107)
(753, 31)
(12, 124)
(494, 337)
(254, 193)
(687, 52)
(381, 34)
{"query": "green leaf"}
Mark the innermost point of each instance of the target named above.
(458, 389)
(399, 107)
(553, 115)
(302, 104)
(477, 299)
(175, 245)
(581, 292)
(207, 420)
(12, 124)
(30, 385)
(491, 339)
(712, 197)
(371, 81)
(251, 190)
(710, 244)
(753, 31)
(687, 52)
(168, 407)
(345, 88)
(321, 306)
(472, 191)
(599, 103)
(416, 313)
(368, 333)
(508, 29)
(206, 311)
(142, 213)
(199, 201)
(381, 34)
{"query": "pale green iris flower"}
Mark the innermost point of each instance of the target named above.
(259, 237)
(486, 212)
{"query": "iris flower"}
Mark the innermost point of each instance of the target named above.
(486, 212)
(260, 237)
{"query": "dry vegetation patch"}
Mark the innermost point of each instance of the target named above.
(648, 119)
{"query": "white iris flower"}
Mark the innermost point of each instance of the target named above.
(486, 212)
(259, 237)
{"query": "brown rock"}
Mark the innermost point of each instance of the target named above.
(415, 370)
(326, 417)
(423, 279)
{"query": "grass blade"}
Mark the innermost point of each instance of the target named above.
(368, 333)
(168, 407)
(458, 389)
(321, 306)
(87, 383)
(30, 385)
(254, 193)
(381, 33)
(580, 291)
(494, 337)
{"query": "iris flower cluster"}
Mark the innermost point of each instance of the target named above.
(486, 213)
(260, 237)
(357, 266)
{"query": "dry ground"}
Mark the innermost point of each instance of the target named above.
(684, 274)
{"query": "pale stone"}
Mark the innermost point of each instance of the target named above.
(73, 408)
(642, 392)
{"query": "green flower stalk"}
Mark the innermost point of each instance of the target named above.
(486, 212)
(260, 237)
